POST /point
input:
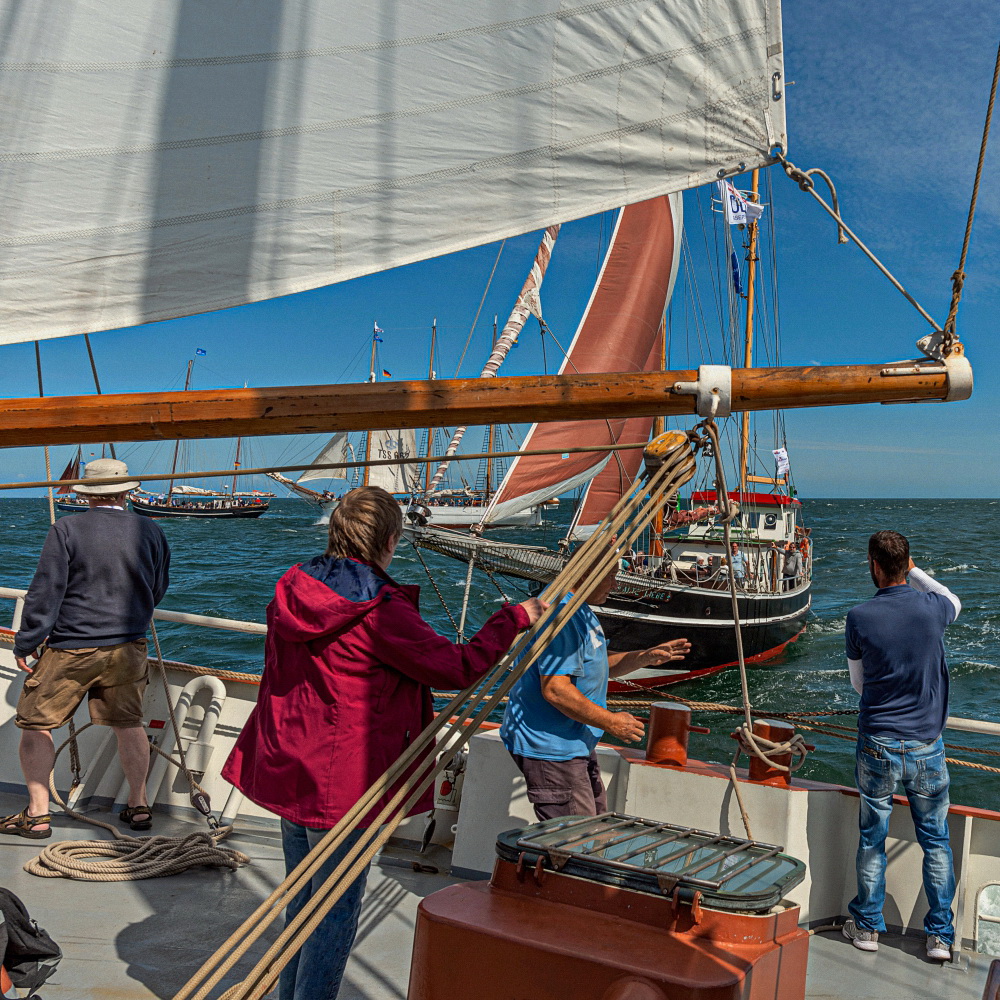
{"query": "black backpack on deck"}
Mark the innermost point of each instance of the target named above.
(27, 953)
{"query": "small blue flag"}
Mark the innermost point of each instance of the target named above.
(737, 279)
(200, 351)
(378, 339)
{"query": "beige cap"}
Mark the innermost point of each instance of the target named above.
(103, 468)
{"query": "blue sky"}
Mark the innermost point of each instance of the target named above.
(891, 106)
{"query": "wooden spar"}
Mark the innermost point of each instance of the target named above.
(215, 413)
(748, 338)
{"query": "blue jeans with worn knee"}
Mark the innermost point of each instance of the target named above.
(883, 762)
(316, 971)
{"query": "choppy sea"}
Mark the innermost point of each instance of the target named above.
(228, 569)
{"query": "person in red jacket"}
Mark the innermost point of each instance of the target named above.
(349, 665)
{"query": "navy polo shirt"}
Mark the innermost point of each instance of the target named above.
(899, 637)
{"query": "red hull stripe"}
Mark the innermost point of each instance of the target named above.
(615, 688)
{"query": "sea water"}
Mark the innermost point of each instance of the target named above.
(227, 568)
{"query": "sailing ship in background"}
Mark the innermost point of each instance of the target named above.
(674, 583)
(432, 498)
(66, 499)
(403, 475)
(182, 500)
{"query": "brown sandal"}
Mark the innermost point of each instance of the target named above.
(129, 813)
(23, 825)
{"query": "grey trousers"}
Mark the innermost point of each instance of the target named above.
(564, 787)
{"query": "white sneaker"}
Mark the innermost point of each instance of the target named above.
(937, 949)
(861, 938)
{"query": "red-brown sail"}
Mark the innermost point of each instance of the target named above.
(617, 334)
(617, 477)
(72, 471)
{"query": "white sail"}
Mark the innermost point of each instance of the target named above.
(165, 158)
(195, 490)
(398, 445)
(335, 450)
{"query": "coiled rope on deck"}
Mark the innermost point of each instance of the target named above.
(418, 766)
(126, 858)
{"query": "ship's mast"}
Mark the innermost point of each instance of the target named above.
(236, 465)
(430, 430)
(371, 378)
(177, 443)
(748, 335)
(490, 434)
(659, 425)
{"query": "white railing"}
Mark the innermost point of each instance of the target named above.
(179, 617)
(257, 628)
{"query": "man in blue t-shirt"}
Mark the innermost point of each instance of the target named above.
(558, 711)
(895, 653)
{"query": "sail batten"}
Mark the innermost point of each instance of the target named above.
(235, 165)
(619, 332)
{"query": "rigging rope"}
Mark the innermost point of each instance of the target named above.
(437, 589)
(747, 741)
(958, 278)
(263, 470)
(591, 562)
(805, 182)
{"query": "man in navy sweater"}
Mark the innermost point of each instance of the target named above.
(895, 652)
(100, 574)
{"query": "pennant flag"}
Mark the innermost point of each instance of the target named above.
(737, 278)
(200, 351)
(375, 334)
(781, 457)
(386, 373)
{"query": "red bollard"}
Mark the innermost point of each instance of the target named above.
(667, 738)
(778, 732)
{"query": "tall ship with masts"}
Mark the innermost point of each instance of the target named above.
(184, 500)
(674, 579)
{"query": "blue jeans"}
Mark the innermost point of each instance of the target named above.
(315, 972)
(882, 762)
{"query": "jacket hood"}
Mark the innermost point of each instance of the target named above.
(327, 594)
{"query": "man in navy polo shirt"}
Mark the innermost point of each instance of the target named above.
(895, 652)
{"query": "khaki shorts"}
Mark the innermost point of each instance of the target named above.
(114, 679)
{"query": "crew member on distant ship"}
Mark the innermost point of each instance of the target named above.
(895, 652)
(677, 518)
(558, 711)
(737, 564)
(100, 574)
(792, 567)
(348, 669)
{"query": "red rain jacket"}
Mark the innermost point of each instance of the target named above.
(348, 669)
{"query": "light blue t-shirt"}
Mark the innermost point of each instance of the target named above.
(534, 728)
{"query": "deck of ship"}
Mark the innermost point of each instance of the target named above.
(132, 940)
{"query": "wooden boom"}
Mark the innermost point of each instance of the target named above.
(216, 413)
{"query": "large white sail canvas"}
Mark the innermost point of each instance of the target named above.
(169, 157)
(401, 446)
